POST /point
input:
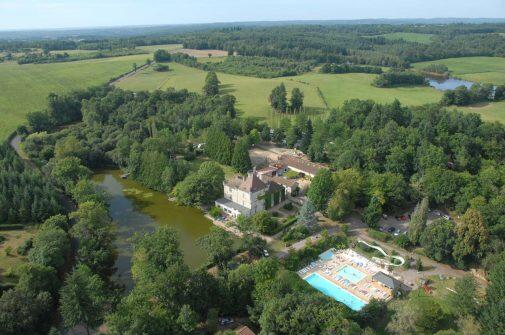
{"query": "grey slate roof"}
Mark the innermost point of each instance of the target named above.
(387, 280)
(230, 204)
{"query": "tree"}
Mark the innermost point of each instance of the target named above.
(134, 66)
(418, 221)
(202, 187)
(68, 171)
(464, 300)
(187, 319)
(264, 223)
(471, 236)
(278, 99)
(218, 146)
(218, 245)
(306, 215)
(417, 315)
(321, 189)
(492, 320)
(37, 278)
(50, 248)
(296, 100)
(94, 233)
(339, 205)
(240, 160)
(437, 239)
(86, 190)
(211, 87)
(83, 299)
(25, 313)
(372, 213)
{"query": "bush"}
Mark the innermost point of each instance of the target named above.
(2, 238)
(399, 78)
(25, 247)
(289, 206)
(403, 241)
(215, 212)
(378, 235)
(161, 68)
(8, 250)
(264, 223)
(296, 234)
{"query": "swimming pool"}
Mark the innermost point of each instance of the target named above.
(327, 255)
(328, 288)
(351, 274)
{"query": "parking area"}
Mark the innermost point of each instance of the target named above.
(399, 224)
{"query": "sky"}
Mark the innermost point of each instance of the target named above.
(43, 14)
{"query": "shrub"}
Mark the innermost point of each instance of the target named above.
(215, 212)
(288, 206)
(264, 223)
(402, 241)
(25, 247)
(8, 250)
(296, 234)
(161, 68)
(2, 238)
(378, 235)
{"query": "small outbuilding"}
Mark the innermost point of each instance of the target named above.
(388, 281)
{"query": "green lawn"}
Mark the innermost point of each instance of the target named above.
(9, 263)
(409, 37)
(252, 93)
(489, 111)
(478, 69)
(153, 48)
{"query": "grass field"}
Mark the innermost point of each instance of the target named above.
(409, 37)
(489, 111)
(153, 48)
(478, 69)
(14, 238)
(252, 93)
(24, 88)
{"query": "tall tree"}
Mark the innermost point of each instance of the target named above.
(278, 98)
(472, 236)
(240, 160)
(218, 245)
(83, 299)
(296, 100)
(492, 319)
(418, 221)
(211, 87)
(321, 189)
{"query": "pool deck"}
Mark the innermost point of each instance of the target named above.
(365, 289)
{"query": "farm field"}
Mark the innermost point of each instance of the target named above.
(409, 37)
(478, 69)
(153, 48)
(24, 88)
(252, 93)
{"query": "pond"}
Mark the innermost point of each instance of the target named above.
(138, 209)
(443, 84)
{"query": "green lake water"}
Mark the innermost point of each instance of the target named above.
(135, 208)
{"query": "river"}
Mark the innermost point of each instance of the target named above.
(138, 209)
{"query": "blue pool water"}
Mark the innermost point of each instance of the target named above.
(351, 274)
(327, 255)
(328, 288)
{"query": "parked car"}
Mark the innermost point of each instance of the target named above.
(381, 228)
(391, 230)
(447, 217)
(226, 321)
(265, 253)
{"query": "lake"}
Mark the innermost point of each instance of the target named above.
(443, 84)
(138, 209)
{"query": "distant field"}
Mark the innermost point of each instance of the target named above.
(409, 37)
(252, 93)
(153, 48)
(24, 88)
(478, 69)
(202, 53)
(489, 111)
(338, 88)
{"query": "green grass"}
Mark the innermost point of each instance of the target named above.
(24, 88)
(252, 93)
(489, 111)
(153, 48)
(14, 239)
(477, 69)
(409, 37)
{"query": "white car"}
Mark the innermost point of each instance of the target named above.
(265, 253)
